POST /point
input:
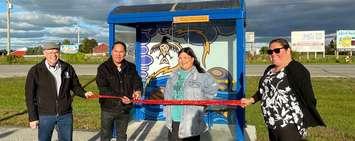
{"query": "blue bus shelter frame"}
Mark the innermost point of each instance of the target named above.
(238, 14)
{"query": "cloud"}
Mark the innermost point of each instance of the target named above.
(54, 20)
(279, 17)
(44, 20)
(86, 9)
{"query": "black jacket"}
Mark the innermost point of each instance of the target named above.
(300, 82)
(111, 82)
(41, 93)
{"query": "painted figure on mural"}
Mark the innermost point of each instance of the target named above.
(164, 48)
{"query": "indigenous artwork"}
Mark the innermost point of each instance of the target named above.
(164, 48)
(213, 42)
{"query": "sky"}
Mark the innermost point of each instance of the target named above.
(35, 21)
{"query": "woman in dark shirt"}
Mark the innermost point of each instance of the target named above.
(286, 96)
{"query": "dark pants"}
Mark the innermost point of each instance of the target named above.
(174, 134)
(108, 119)
(288, 133)
(64, 127)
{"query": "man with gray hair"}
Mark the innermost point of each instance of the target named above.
(48, 97)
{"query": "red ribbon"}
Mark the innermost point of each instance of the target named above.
(178, 102)
(190, 102)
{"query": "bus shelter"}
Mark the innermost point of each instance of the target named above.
(215, 30)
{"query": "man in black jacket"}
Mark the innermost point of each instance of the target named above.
(287, 100)
(117, 77)
(48, 97)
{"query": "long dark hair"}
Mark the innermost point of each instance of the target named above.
(191, 53)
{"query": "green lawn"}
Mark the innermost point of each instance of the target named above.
(12, 101)
(335, 97)
(329, 59)
(81, 58)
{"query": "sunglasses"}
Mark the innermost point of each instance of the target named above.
(276, 50)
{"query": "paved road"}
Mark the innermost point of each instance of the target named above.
(315, 70)
(251, 70)
(21, 70)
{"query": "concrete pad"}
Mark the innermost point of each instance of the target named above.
(137, 131)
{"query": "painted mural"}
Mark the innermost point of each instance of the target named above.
(213, 42)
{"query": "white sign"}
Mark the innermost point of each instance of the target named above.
(308, 41)
(346, 39)
(250, 37)
(69, 49)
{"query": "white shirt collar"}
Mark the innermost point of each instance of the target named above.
(57, 66)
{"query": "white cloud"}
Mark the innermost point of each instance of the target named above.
(54, 20)
(45, 20)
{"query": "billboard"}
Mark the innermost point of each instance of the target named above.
(308, 41)
(346, 40)
(250, 37)
(69, 49)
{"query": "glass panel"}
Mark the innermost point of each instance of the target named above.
(214, 45)
(128, 36)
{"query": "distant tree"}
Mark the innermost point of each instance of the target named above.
(66, 42)
(330, 48)
(87, 45)
(263, 50)
(34, 51)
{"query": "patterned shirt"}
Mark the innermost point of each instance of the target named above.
(279, 103)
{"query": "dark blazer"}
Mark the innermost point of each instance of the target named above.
(41, 92)
(111, 82)
(300, 82)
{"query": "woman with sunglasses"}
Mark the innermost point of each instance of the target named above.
(285, 92)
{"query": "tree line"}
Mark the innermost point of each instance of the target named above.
(86, 46)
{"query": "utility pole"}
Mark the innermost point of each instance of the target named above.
(77, 30)
(9, 7)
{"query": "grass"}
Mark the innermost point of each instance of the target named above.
(329, 59)
(335, 102)
(12, 101)
(335, 97)
(81, 58)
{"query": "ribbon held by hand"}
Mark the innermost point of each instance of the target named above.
(178, 102)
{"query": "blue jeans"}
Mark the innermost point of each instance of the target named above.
(64, 127)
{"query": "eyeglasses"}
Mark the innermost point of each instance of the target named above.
(276, 50)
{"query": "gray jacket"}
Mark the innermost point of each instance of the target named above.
(197, 86)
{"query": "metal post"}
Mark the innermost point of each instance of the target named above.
(77, 30)
(351, 52)
(240, 73)
(78, 36)
(9, 7)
